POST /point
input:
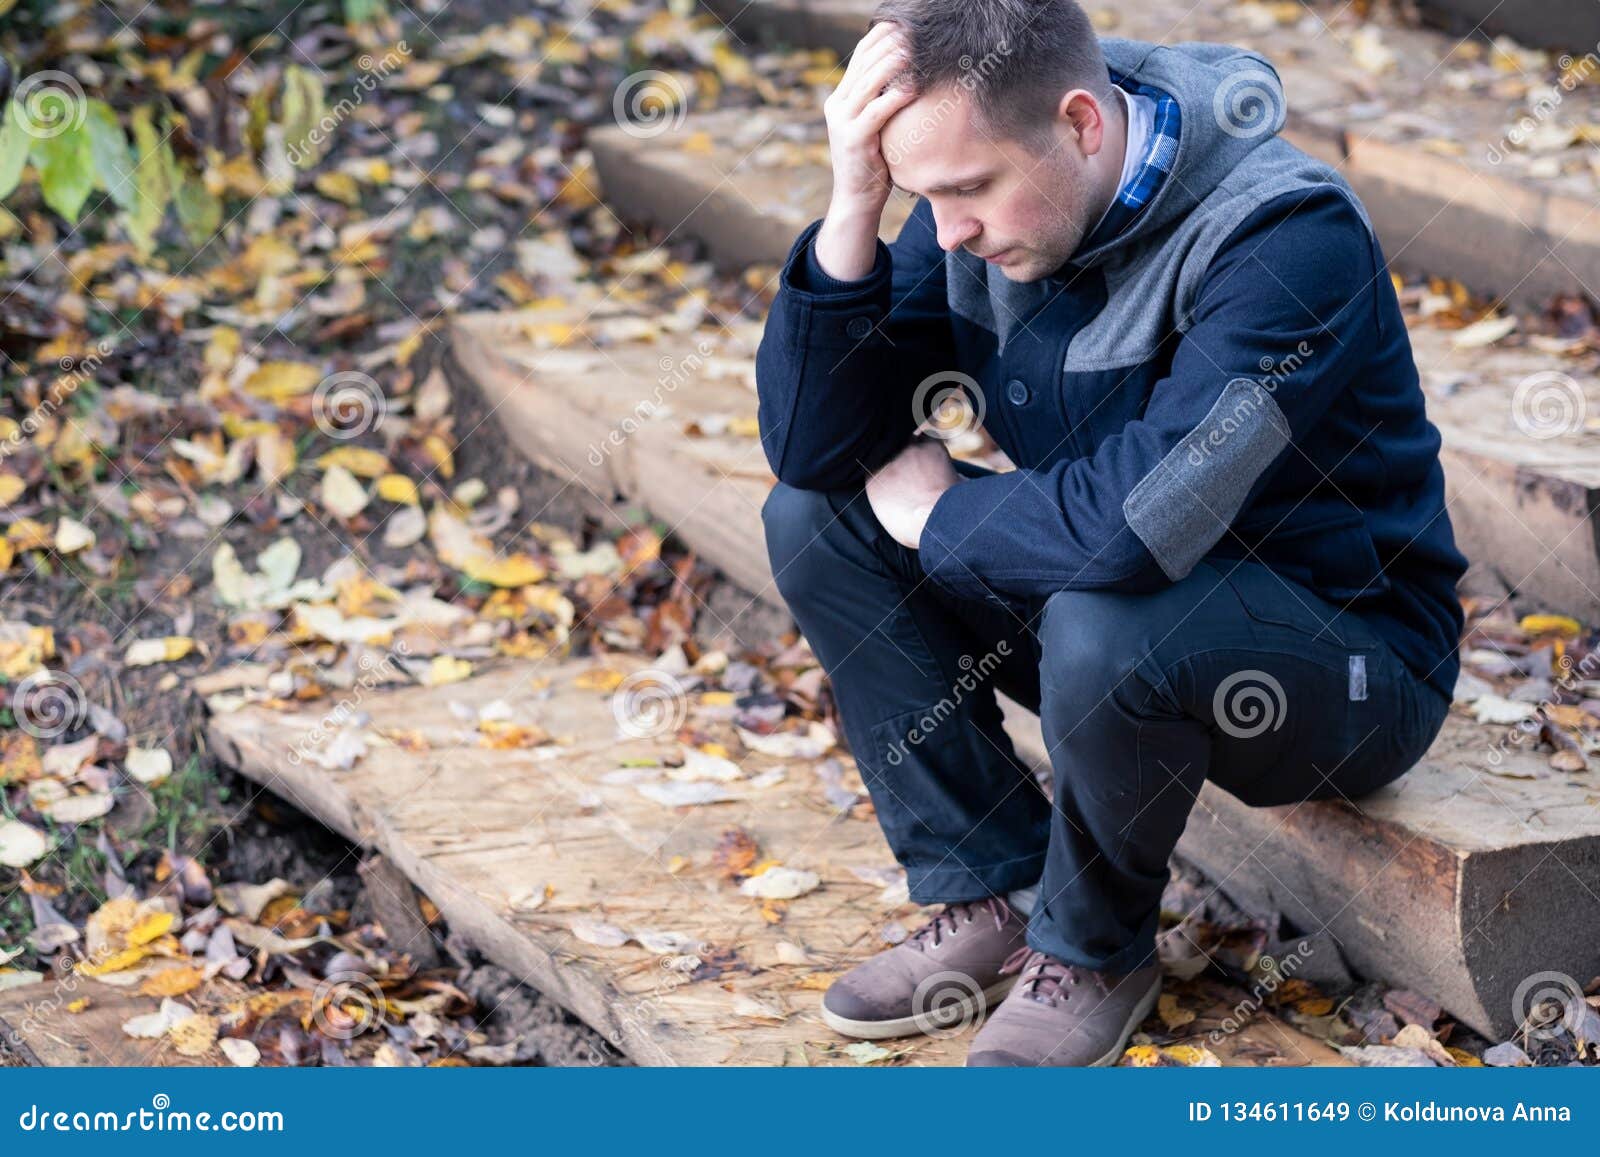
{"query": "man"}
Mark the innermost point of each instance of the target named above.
(1224, 553)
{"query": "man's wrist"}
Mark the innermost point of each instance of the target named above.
(846, 247)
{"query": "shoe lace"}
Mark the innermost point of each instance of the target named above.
(1044, 977)
(954, 915)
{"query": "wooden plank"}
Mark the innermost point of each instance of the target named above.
(480, 831)
(751, 182)
(36, 1025)
(1439, 165)
(1418, 883)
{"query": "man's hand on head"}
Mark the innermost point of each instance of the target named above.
(856, 112)
(903, 491)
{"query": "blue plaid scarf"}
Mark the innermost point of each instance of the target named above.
(1153, 167)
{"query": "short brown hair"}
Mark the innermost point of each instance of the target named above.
(1016, 57)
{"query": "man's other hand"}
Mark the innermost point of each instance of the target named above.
(903, 491)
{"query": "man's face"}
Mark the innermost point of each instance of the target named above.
(1022, 205)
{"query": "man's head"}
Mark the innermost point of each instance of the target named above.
(1015, 136)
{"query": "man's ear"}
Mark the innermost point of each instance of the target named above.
(1081, 114)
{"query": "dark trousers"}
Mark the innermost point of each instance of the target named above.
(1232, 674)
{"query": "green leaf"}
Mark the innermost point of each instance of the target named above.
(199, 210)
(150, 182)
(302, 116)
(66, 170)
(113, 159)
(14, 142)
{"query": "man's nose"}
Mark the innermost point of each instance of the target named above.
(952, 235)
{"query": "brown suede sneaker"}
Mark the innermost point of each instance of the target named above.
(939, 981)
(1062, 1015)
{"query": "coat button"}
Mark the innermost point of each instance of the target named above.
(858, 327)
(1017, 392)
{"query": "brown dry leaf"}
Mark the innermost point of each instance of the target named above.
(736, 852)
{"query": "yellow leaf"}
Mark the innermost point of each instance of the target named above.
(1143, 1056)
(7, 554)
(339, 186)
(447, 669)
(1171, 1015)
(280, 381)
(1463, 1058)
(116, 962)
(1551, 625)
(361, 462)
(744, 428)
(11, 488)
(718, 698)
(194, 1035)
(399, 489)
(599, 679)
(517, 570)
(144, 652)
(29, 534)
(77, 1006)
(439, 453)
(152, 926)
(173, 981)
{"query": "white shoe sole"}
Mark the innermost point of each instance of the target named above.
(916, 1025)
(1135, 1018)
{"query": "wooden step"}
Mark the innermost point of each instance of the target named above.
(1456, 881)
(1433, 159)
(42, 1026)
(742, 182)
(528, 852)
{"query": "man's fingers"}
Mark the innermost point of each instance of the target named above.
(870, 85)
(858, 85)
(878, 111)
(861, 56)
